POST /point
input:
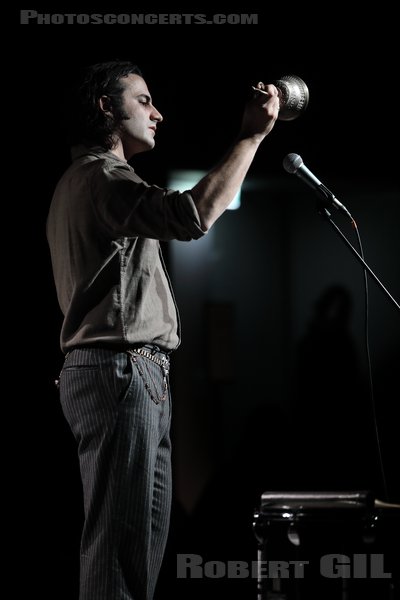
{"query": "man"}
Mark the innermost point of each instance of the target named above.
(120, 319)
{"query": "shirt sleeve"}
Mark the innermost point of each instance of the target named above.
(128, 206)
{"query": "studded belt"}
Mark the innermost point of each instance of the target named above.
(152, 353)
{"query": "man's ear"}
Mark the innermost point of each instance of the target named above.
(105, 105)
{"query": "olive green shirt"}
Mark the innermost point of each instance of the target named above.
(104, 229)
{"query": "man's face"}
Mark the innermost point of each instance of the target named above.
(138, 129)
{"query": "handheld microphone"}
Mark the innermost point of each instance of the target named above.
(293, 163)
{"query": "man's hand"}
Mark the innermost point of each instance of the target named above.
(261, 112)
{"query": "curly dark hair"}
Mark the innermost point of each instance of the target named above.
(86, 122)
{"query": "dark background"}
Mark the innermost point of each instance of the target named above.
(270, 386)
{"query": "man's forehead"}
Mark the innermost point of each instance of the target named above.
(135, 84)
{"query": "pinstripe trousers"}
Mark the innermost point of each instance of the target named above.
(113, 404)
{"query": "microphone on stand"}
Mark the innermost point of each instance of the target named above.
(293, 164)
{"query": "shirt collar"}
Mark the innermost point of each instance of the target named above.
(81, 150)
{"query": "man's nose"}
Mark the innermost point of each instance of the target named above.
(157, 116)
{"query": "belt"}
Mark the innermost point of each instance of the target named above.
(153, 353)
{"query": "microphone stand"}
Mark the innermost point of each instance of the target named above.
(323, 211)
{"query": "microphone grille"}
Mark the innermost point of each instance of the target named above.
(292, 162)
